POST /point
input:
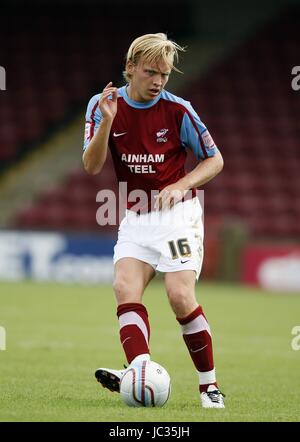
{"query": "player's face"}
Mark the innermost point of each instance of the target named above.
(147, 80)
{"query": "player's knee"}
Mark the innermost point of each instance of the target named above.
(125, 290)
(182, 300)
(120, 286)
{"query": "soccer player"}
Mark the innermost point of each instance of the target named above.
(148, 131)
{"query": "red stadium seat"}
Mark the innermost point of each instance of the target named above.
(246, 101)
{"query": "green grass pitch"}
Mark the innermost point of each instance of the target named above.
(58, 335)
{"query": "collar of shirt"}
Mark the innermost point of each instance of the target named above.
(137, 104)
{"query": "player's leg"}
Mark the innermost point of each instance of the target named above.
(131, 278)
(180, 287)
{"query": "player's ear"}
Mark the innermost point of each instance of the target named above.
(130, 67)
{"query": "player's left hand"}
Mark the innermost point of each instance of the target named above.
(169, 196)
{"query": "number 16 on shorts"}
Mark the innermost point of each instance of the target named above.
(180, 248)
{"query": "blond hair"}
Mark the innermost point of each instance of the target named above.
(152, 48)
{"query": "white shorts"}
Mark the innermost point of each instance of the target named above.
(170, 240)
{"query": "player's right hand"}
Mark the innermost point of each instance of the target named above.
(108, 106)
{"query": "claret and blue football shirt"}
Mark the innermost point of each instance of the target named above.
(148, 140)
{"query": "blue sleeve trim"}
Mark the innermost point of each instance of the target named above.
(93, 117)
(193, 132)
(195, 136)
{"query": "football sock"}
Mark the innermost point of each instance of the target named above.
(134, 330)
(197, 337)
(143, 357)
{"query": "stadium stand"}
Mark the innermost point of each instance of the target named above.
(56, 59)
(253, 111)
(246, 100)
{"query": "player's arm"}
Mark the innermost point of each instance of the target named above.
(194, 135)
(95, 152)
(203, 172)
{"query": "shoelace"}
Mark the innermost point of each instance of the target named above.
(214, 396)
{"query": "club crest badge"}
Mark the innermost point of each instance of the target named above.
(160, 136)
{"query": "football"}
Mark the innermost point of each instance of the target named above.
(145, 384)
